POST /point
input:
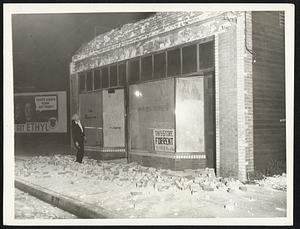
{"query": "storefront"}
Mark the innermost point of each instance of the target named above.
(170, 92)
(170, 106)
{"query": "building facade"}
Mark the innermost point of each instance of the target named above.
(185, 90)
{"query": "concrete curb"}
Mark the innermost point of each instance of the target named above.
(79, 208)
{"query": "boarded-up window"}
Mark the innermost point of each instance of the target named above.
(105, 82)
(159, 65)
(174, 65)
(151, 106)
(189, 59)
(189, 115)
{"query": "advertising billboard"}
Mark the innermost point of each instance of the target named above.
(40, 112)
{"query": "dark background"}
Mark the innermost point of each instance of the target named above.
(43, 45)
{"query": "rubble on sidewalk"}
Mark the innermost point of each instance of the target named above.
(104, 182)
(141, 177)
(278, 182)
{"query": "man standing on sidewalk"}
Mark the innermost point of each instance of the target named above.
(78, 137)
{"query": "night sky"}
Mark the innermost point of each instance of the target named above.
(43, 45)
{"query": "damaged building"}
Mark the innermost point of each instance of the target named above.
(185, 90)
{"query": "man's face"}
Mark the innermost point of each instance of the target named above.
(76, 118)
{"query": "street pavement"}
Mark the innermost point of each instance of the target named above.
(133, 191)
(29, 207)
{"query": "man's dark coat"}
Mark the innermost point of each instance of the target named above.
(78, 136)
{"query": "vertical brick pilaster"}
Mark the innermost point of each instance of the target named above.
(240, 47)
(226, 99)
(244, 100)
(234, 106)
(217, 107)
(248, 68)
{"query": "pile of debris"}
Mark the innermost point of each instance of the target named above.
(277, 182)
(128, 174)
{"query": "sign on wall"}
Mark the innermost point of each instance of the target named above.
(164, 140)
(40, 112)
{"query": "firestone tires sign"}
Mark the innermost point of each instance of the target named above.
(164, 140)
(41, 112)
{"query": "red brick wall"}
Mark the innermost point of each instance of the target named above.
(268, 88)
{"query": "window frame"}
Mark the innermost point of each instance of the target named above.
(139, 59)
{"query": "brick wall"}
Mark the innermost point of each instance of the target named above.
(217, 107)
(248, 96)
(234, 111)
(269, 88)
(167, 162)
(244, 95)
(148, 161)
(227, 103)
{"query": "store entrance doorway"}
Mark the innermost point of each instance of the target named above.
(103, 115)
(114, 118)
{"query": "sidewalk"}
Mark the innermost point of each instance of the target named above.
(116, 189)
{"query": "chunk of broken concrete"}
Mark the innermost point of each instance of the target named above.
(243, 188)
(136, 193)
(178, 185)
(229, 190)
